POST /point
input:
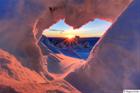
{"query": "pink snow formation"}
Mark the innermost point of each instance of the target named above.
(113, 65)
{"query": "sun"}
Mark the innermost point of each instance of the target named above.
(70, 36)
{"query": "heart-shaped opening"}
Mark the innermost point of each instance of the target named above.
(61, 38)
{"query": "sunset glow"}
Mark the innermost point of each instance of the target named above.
(70, 36)
(95, 28)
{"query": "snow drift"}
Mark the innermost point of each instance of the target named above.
(15, 78)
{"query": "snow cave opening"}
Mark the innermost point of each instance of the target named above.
(61, 38)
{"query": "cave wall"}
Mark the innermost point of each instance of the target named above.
(114, 63)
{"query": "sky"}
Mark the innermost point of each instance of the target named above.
(94, 28)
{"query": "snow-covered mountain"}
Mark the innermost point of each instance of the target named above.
(75, 48)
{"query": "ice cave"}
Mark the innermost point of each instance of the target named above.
(112, 66)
